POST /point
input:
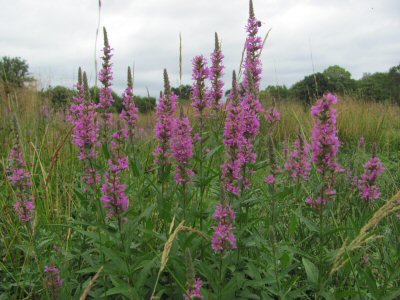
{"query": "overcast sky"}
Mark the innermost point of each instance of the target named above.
(57, 36)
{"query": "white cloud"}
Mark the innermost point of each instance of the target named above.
(57, 36)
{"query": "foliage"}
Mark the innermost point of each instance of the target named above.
(183, 91)
(339, 80)
(310, 88)
(380, 86)
(14, 71)
(277, 92)
(59, 96)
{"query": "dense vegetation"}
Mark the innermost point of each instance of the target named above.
(248, 199)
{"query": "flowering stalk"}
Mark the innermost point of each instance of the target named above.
(272, 116)
(369, 191)
(251, 83)
(325, 147)
(165, 118)
(20, 180)
(182, 149)
(129, 111)
(114, 197)
(106, 99)
(234, 141)
(271, 181)
(194, 284)
(298, 163)
(85, 133)
(224, 239)
(200, 103)
(215, 75)
(53, 281)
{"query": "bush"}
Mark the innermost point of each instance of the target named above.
(145, 104)
(60, 96)
(183, 91)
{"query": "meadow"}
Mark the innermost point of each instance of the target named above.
(245, 199)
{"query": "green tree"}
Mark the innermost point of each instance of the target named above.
(394, 83)
(374, 87)
(14, 72)
(182, 91)
(277, 92)
(310, 88)
(60, 96)
(339, 80)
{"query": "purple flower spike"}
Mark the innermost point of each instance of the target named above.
(20, 180)
(182, 149)
(224, 239)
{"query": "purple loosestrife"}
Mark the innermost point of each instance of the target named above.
(20, 180)
(273, 116)
(298, 163)
(274, 168)
(53, 281)
(75, 110)
(199, 92)
(53, 278)
(165, 118)
(234, 141)
(182, 148)
(85, 133)
(325, 146)
(200, 102)
(114, 197)
(129, 111)
(105, 97)
(194, 284)
(194, 292)
(367, 184)
(251, 83)
(224, 239)
(216, 72)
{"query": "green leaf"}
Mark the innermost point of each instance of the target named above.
(311, 271)
(309, 224)
(213, 152)
(105, 151)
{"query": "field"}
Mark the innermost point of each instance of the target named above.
(101, 205)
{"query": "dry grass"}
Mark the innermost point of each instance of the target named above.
(364, 237)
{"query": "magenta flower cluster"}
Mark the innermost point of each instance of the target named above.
(194, 292)
(224, 239)
(251, 82)
(182, 149)
(85, 134)
(200, 73)
(273, 116)
(129, 112)
(20, 180)
(166, 109)
(105, 77)
(234, 142)
(106, 99)
(298, 163)
(325, 146)
(86, 131)
(367, 184)
(215, 74)
(53, 278)
(114, 196)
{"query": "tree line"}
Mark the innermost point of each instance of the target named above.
(379, 86)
